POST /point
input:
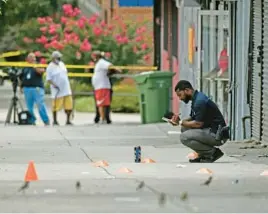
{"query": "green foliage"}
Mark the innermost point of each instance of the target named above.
(77, 36)
(2, 2)
(20, 11)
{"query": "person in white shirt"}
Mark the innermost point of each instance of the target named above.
(101, 82)
(61, 93)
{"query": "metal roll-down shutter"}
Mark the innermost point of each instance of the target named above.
(265, 74)
(256, 71)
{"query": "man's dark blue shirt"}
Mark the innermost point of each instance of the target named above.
(30, 78)
(205, 110)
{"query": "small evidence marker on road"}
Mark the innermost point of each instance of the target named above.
(101, 163)
(192, 155)
(264, 173)
(125, 170)
(204, 171)
(148, 160)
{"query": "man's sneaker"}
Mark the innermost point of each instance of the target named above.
(217, 155)
(196, 160)
(69, 123)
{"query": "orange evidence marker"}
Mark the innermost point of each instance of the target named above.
(125, 170)
(204, 171)
(264, 173)
(148, 160)
(192, 155)
(101, 163)
(30, 173)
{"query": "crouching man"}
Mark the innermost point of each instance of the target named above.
(206, 129)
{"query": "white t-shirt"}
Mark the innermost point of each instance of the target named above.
(58, 74)
(100, 79)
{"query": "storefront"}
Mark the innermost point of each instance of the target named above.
(206, 42)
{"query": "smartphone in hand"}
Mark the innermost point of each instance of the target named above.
(169, 121)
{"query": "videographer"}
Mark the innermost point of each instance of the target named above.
(205, 129)
(33, 88)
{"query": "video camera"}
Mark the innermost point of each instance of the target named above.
(13, 73)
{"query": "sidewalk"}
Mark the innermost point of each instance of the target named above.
(82, 118)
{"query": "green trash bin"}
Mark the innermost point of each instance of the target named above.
(155, 89)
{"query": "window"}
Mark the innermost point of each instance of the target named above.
(136, 3)
(166, 25)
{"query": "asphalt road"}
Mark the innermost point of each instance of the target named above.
(65, 155)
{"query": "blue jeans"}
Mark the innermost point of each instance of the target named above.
(36, 95)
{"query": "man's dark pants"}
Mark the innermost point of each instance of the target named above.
(107, 111)
(202, 141)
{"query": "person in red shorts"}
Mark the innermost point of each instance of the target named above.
(101, 82)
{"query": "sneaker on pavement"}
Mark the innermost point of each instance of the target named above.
(217, 155)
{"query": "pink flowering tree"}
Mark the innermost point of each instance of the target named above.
(76, 36)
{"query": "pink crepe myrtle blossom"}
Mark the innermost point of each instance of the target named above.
(85, 46)
(43, 29)
(37, 53)
(97, 31)
(27, 40)
(43, 61)
(41, 20)
(42, 40)
(144, 46)
(78, 55)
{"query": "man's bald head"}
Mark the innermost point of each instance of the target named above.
(31, 57)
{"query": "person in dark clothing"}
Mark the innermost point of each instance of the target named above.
(33, 88)
(201, 130)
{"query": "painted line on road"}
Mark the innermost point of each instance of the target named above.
(50, 191)
(127, 199)
(174, 132)
(85, 173)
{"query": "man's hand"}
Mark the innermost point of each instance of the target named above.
(175, 120)
(56, 87)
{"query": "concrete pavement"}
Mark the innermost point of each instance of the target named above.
(65, 155)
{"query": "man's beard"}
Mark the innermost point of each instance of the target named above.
(187, 99)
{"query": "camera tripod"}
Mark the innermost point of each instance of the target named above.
(13, 107)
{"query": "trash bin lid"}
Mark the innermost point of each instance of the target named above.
(142, 77)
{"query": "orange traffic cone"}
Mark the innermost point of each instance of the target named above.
(101, 163)
(30, 173)
(148, 160)
(125, 170)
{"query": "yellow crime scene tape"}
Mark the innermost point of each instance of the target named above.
(12, 53)
(25, 64)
